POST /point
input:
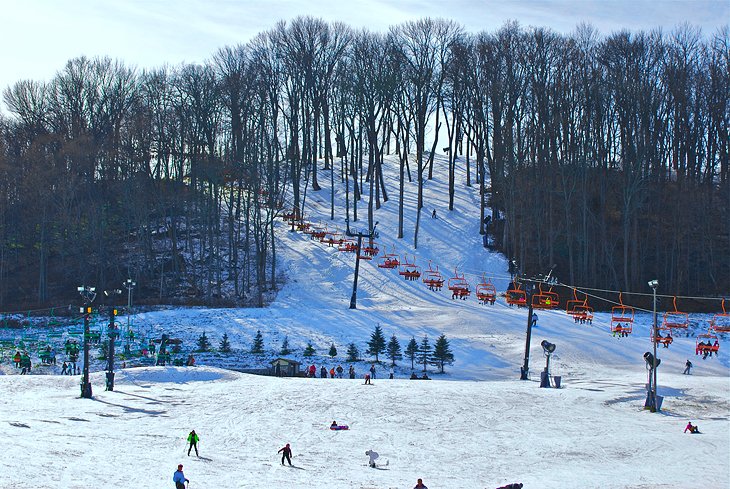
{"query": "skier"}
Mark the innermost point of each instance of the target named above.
(285, 454)
(534, 320)
(420, 485)
(373, 456)
(179, 478)
(193, 439)
(687, 367)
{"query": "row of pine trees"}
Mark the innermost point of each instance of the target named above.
(418, 353)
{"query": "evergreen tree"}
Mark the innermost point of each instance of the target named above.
(333, 351)
(309, 350)
(353, 354)
(394, 350)
(285, 346)
(442, 354)
(203, 342)
(376, 345)
(424, 352)
(258, 343)
(225, 345)
(411, 351)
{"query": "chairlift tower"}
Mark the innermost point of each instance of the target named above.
(371, 235)
(530, 284)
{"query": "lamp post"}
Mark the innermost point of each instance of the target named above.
(652, 402)
(88, 294)
(113, 333)
(129, 285)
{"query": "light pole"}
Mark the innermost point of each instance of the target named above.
(129, 285)
(113, 333)
(88, 294)
(653, 401)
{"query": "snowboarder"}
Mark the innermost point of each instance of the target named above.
(692, 428)
(433, 214)
(179, 478)
(367, 379)
(285, 454)
(193, 439)
(687, 367)
(373, 457)
(420, 485)
(372, 370)
(534, 320)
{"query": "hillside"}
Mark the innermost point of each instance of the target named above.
(476, 426)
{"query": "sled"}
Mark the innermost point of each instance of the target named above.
(339, 427)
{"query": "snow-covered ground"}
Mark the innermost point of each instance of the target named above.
(477, 426)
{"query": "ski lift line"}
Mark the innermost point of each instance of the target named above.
(697, 298)
(28, 311)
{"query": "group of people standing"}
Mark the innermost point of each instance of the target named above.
(22, 361)
(333, 372)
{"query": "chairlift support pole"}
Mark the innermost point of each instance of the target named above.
(529, 288)
(371, 235)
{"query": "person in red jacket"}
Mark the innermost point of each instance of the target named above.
(285, 454)
(692, 428)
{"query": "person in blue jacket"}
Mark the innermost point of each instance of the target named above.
(179, 478)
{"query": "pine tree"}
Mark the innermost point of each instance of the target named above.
(376, 345)
(225, 345)
(411, 351)
(394, 350)
(333, 351)
(285, 346)
(442, 354)
(203, 342)
(424, 352)
(309, 350)
(353, 354)
(258, 343)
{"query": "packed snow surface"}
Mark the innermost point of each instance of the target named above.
(476, 426)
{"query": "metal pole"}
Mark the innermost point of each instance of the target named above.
(110, 353)
(526, 366)
(86, 391)
(353, 299)
(653, 393)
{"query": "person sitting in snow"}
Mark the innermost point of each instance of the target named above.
(373, 456)
(692, 428)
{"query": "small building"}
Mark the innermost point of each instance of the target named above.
(285, 367)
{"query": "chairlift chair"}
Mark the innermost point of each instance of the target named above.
(458, 286)
(348, 246)
(622, 318)
(389, 260)
(707, 343)
(432, 278)
(486, 292)
(545, 300)
(665, 339)
(515, 296)
(720, 323)
(675, 319)
(583, 313)
(369, 250)
(409, 270)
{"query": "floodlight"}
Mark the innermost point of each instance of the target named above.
(653, 284)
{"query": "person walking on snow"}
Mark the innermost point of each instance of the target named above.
(193, 439)
(285, 454)
(179, 478)
(372, 371)
(373, 457)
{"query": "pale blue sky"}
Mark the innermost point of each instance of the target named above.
(39, 36)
